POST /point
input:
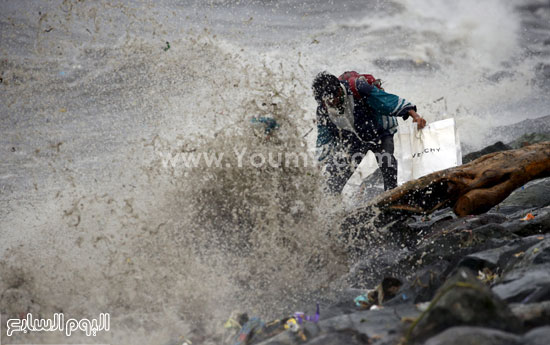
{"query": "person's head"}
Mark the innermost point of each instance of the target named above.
(327, 89)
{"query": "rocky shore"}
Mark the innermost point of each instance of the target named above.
(442, 279)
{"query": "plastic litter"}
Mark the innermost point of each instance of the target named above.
(529, 216)
(293, 325)
(386, 290)
(301, 317)
(363, 301)
(248, 330)
(269, 124)
(256, 330)
(167, 46)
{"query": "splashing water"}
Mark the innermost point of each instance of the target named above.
(102, 206)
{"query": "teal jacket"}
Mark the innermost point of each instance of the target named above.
(375, 116)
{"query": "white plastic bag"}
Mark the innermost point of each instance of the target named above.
(422, 152)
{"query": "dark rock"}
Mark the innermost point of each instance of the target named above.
(474, 336)
(535, 194)
(427, 222)
(385, 291)
(539, 225)
(445, 242)
(496, 147)
(529, 139)
(464, 301)
(345, 336)
(423, 284)
(457, 241)
(525, 285)
(384, 324)
(537, 254)
(516, 130)
(538, 336)
(344, 306)
(367, 272)
(498, 258)
(532, 314)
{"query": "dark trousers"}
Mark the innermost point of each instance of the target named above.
(341, 164)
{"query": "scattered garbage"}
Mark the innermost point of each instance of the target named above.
(268, 124)
(385, 291)
(255, 329)
(529, 216)
(167, 46)
(293, 326)
(301, 317)
(486, 275)
(248, 330)
(363, 301)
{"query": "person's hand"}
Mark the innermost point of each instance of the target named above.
(421, 123)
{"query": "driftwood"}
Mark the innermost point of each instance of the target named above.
(471, 188)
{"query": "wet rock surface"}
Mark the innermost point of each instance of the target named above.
(481, 279)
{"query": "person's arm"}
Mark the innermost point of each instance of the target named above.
(388, 104)
(421, 123)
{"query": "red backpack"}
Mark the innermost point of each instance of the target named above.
(352, 76)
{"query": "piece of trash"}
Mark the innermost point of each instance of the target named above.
(255, 328)
(167, 46)
(63, 110)
(486, 275)
(247, 331)
(231, 323)
(385, 291)
(540, 238)
(363, 301)
(529, 216)
(536, 250)
(301, 317)
(292, 325)
(48, 29)
(62, 73)
(375, 307)
(517, 255)
(423, 306)
(269, 124)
